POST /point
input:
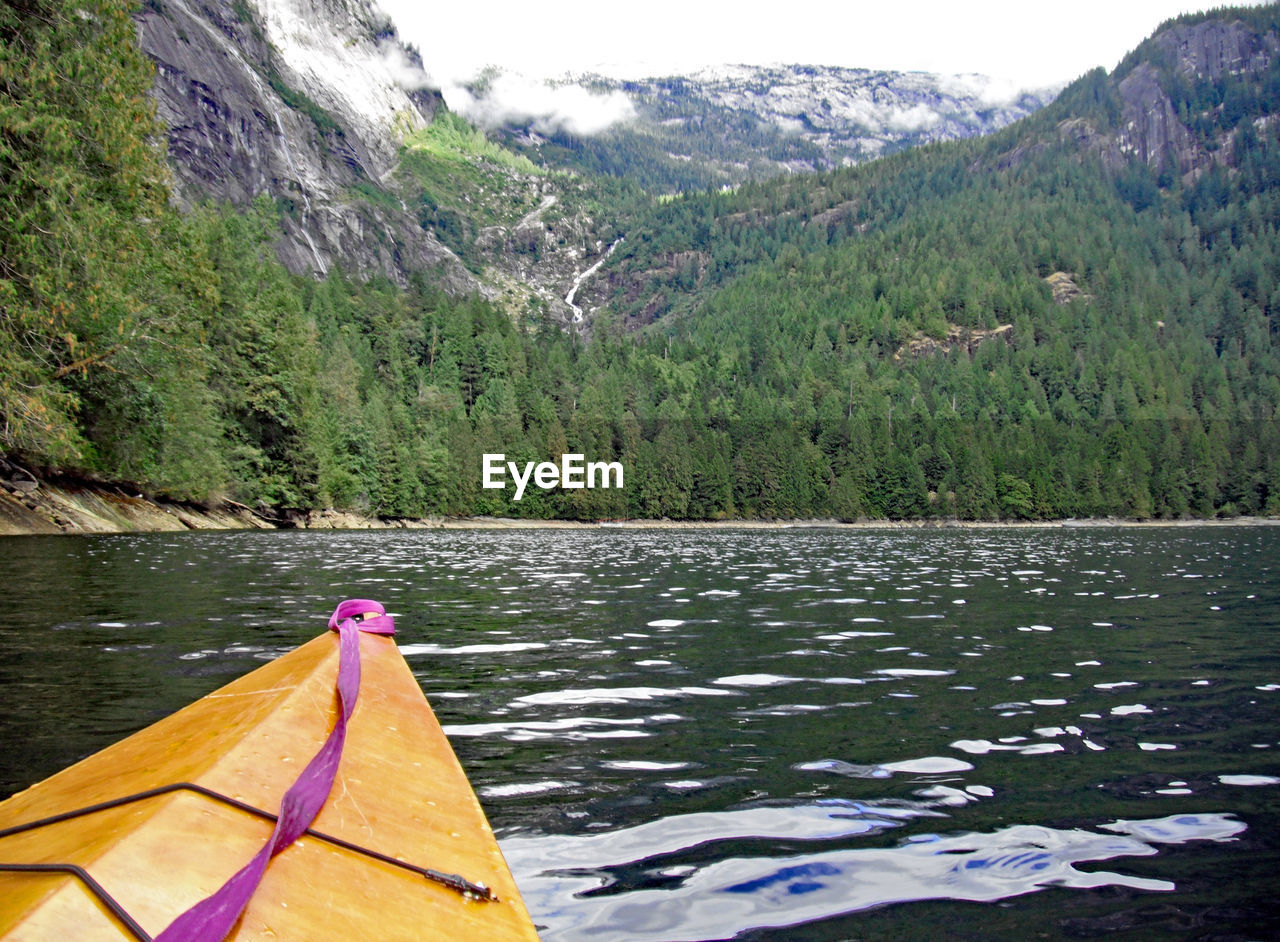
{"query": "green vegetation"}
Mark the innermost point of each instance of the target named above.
(450, 137)
(92, 298)
(459, 183)
(994, 328)
(708, 149)
(296, 100)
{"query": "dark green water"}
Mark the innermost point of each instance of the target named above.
(796, 734)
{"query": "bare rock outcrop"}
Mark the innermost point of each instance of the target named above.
(1064, 288)
(1152, 130)
(253, 107)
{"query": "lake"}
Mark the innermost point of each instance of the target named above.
(798, 734)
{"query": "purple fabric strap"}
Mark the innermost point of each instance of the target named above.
(213, 918)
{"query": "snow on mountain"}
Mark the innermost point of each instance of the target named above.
(309, 103)
(854, 114)
(331, 49)
(723, 125)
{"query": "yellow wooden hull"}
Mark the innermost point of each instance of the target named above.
(399, 792)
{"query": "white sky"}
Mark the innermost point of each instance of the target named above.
(1031, 42)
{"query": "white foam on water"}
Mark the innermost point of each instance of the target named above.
(1249, 781)
(754, 680)
(981, 747)
(417, 650)
(928, 765)
(724, 897)
(845, 635)
(592, 695)
(518, 789)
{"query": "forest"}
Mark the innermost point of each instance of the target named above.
(1001, 328)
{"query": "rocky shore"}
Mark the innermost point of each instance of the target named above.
(31, 506)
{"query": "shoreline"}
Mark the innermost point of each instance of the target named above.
(67, 506)
(1068, 523)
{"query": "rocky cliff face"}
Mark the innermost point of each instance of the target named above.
(1216, 47)
(296, 100)
(1152, 129)
(1169, 109)
(311, 103)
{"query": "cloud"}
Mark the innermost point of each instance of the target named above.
(510, 98)
(988, 91)
(403, 71)
(916, 118)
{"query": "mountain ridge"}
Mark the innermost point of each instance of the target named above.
(731, 124)
(1126, 121)
(311, 103)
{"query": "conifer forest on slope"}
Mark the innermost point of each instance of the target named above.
(1014, 327)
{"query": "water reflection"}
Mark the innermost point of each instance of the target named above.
(632, 883)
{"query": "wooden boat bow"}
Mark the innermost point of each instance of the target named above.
(400, 808)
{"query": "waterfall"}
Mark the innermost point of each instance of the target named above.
(579, 279)
(267, 96)
(306, 203)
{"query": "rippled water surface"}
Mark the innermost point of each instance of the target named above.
(788, 734)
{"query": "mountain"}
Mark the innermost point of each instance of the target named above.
(1167, 125)
(722, 127)
(318, 107)
(297, 102)
(1075, 315)
(1176, 103)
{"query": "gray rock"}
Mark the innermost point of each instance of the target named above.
(222, 77)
